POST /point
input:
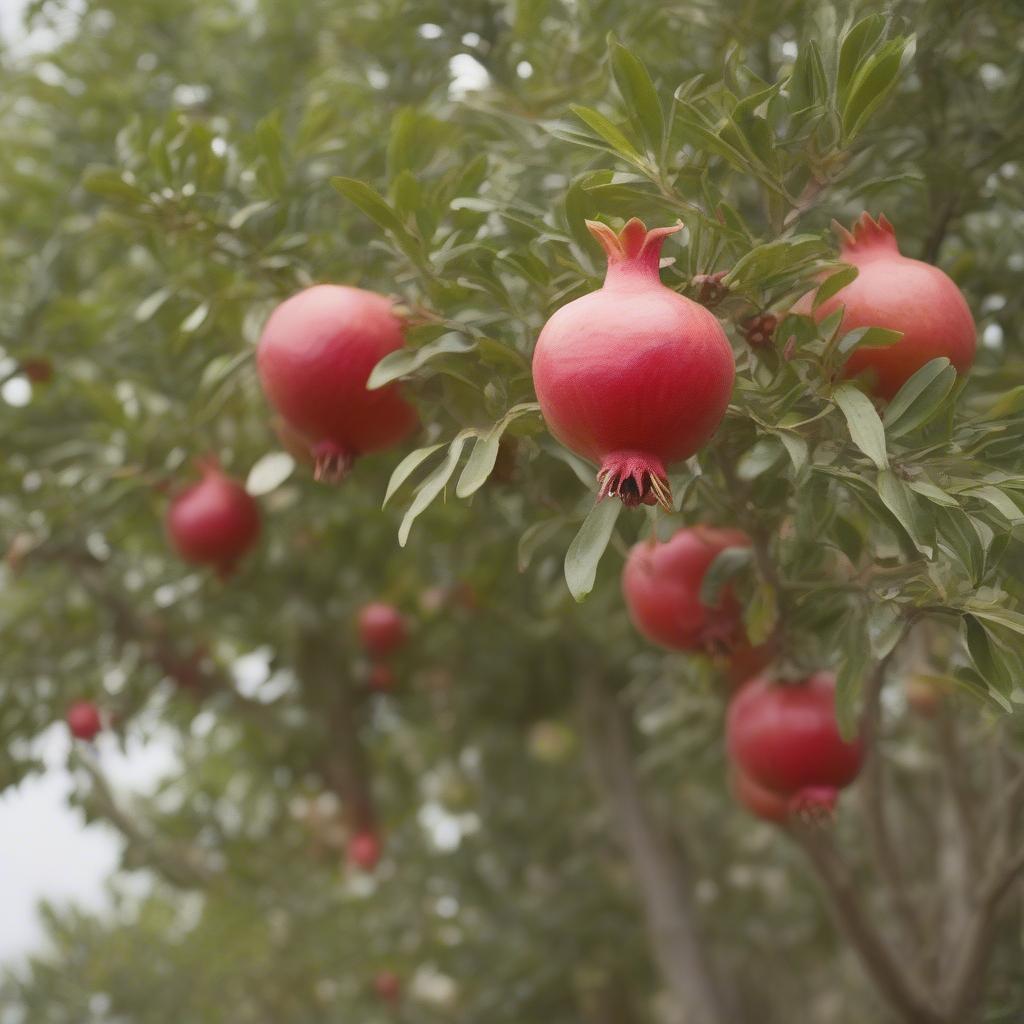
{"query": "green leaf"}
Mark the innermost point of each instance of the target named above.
(761, 457)
(377, 209)
(482, 458)
(885, 627)
(534, 537)
(638, 93)
(866, 428)
(856, 44)
(405, 361)
(997, 616)
(834, 283)
(867, 337)
(587, 547)
(999, 500)
(772, 257)
(920, 397)
(854, 657)
(150, 305)
(957, 528)
(797, 448)
(934, 494)
(195, 319)
(612, 135)
(987, 656)
(111, 184)
(432, 487)
(728, 562)
(872, 83)
(407, 467)
(900, 501)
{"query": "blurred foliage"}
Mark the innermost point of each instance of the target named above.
(167, 178)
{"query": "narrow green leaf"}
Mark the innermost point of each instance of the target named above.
(195, 319)
(933, 493)
(999, 500)
(987, 656)
(899, 500)
(866, 428)
(534, 537)
(853, 664)
(638, 93)
(377, 209)
(482, 458)
(797, 448)
(727, 563)
(867, 337)
(871, 85)
(834, 283)
(431, 487)
(587, 547)
(404, 361)
(921, 397)
(151, 304)
(608, 131)
(957, 528)
(856, 43)
(407, 467)
(762, 614)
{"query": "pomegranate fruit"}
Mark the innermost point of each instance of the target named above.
(382, 628)
(83, 718)
(784, 736)
(900, 294)
(387, 986)
(214, 522)
(364, 850)
(38, 369)
(633, 376)
(661, 584)
(761, 802)
(314, 357)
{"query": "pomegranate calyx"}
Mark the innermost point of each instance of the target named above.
(331, 462)
(814, 805)
(634, 249)
(867, 233)
(636, 479)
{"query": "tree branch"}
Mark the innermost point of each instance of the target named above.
(903, 992)
(661, 876)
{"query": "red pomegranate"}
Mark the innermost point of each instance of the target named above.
(314, 358)
(762, 803)
(83, 718)
(214, 522)
(633, 376)
(382, 628)
(661, 584)
(38, 369)
(364, 850)
(900, 294)
(382, 678)
(784, 736)
(387, 986)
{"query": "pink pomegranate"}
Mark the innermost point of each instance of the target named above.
(83, 718)
(661, 584)
(364, 850)
(314, 358)
(382, 628)
(214, 522)
(900, 294)
(633, 376)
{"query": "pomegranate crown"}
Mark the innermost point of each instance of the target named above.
(867, 233)
(634, 247)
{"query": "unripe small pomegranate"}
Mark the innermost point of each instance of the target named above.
(784, 736)
(661, 584)
(923, 697)
(387, 986)
(633, 376)
(215, 522)
(382, 678)
(314, 357)
(900, 294)
(382, 628)
(364, 850)
(710, 288)
(759, 331)
(83, 718)
(761, 802)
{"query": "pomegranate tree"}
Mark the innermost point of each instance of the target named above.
(633, 376)
(784, 737)
(314, 358)
(214, 522)
(83, 718)
(382, 628)
(900, 294)
(661, 584)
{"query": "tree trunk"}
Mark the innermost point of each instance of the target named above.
(661, 874)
